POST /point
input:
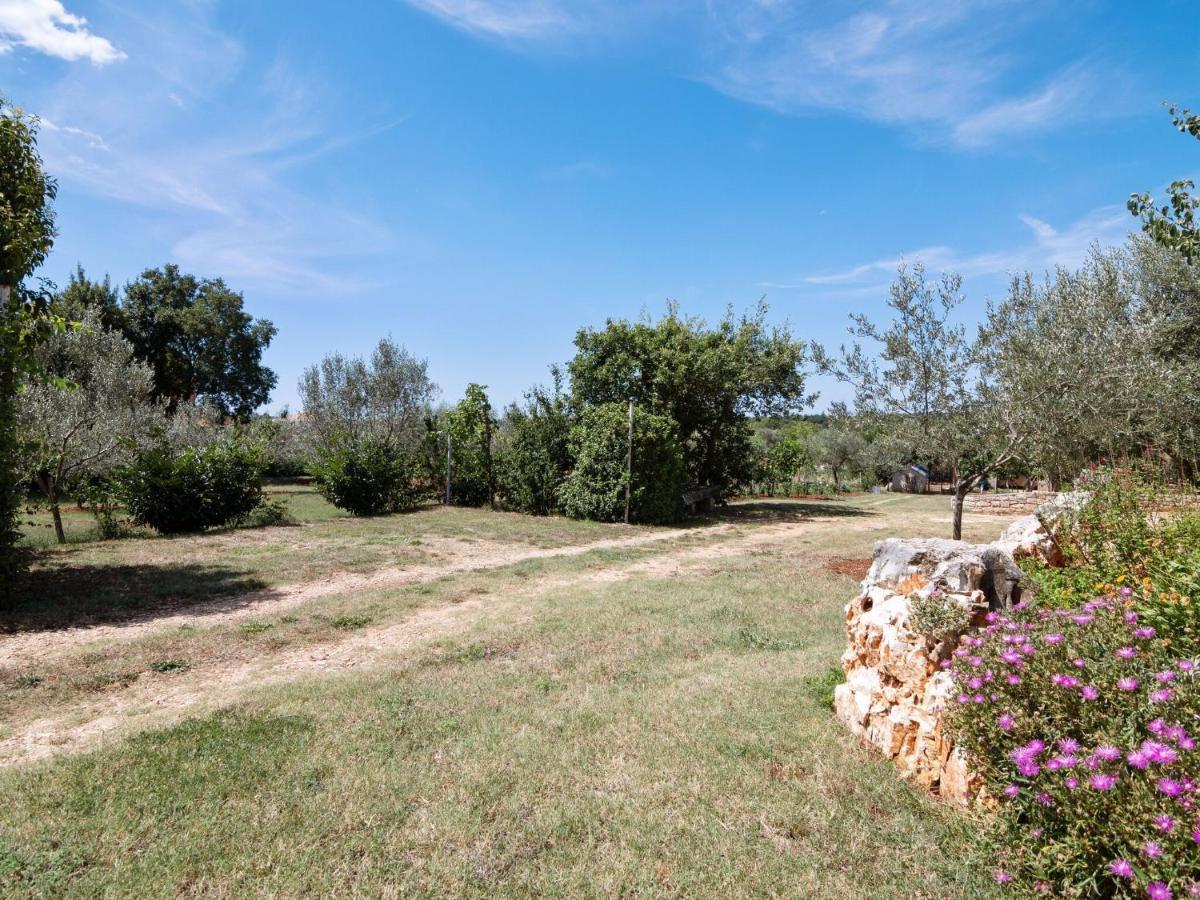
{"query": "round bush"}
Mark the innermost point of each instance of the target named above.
(367, 477)
(179, 491)
(596, 487)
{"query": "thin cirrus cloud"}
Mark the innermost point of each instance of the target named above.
(47, 27)
(1048, 249)
(947, 68)
(224, 201)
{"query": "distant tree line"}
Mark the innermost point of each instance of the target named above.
(144, 398)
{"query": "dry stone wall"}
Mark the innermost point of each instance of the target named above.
(895, 690)
(1015, 503)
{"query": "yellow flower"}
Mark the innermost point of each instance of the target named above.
(1120, 579)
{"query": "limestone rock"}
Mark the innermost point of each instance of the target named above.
(895, 690)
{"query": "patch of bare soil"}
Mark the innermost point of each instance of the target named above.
(851, 568)
(157, 701)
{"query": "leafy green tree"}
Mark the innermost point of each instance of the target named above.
(470, 425)
(708, 381)
(926, 384)
(82, 296)
(595, 489)
(79, 424)
(535, 451)
(26, 236)
(1174, 225)
(199, 340)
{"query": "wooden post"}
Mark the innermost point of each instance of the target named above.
(629, 464)
(448, 465)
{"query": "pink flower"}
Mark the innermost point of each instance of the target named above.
(1165, 676)
(1005, 722)
(1012, 791)
(1145, 632)
(1045, 799)
(1013, 679)
(1071, 782)
(1185, 665)
(1087, 692)
(1102, 782)
(1126, 652)
(1162, 695)
(1156, 890)
(1068, 681)
(1169, 786)
(1082, 619)
(1151, 850)
(1001, 876)
(1120, 868)
(1054, 638)
(1108, 753)
(1127, 684)
(1165, 824)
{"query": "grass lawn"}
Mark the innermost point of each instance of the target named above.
(647, 720)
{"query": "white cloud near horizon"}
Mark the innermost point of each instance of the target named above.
(47, 27)
(1049, 249)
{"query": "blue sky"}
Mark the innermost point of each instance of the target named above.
(479, 178)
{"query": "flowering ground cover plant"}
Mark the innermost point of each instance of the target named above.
(1084, 722)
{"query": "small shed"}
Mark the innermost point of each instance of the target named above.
(912, 479)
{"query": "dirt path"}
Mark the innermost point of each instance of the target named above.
(454, 557)
(156, 702)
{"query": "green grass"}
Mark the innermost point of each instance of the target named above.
(648, 737)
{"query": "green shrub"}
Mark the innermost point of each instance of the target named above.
(268, 513)
(1082, 720)
(536, 456)
(596, 487)
(1128, 535)
(370, 476)
(178, 491)
(937, 616)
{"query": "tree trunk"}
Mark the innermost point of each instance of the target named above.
(50, 489)
(960, 493)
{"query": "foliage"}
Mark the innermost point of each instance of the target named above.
(83, 423)
(707, 381)
(929, 388)
(595, 489)
(1083, 361)
(193, 333)
(26, 236)
(350, 398)
(102, 498)
(837, 448)
(1078, 719)
(938, 616)
(1125, 536)
(536, 451)
(177, 491)
(368, 475)
(470, 425)
(288, 442)
(1174, 226)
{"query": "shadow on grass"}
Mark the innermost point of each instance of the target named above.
(75, 596)
(786, 511)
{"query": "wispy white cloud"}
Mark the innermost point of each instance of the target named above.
(232, 201)
(949, 69)
(47, 27)
(1049, 248)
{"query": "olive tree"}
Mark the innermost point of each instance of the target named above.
(385, 397)
(926, 384)
(837, 448)
(26, 236)
(80, 422)
(1089, 361)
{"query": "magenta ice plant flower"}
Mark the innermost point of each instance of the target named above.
(1126, 652)
(1005, 722)
(1157, 890)
(1128, 684)
(1165, 824)
(1053, 638)
(1120, 868)
(1102, 781)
